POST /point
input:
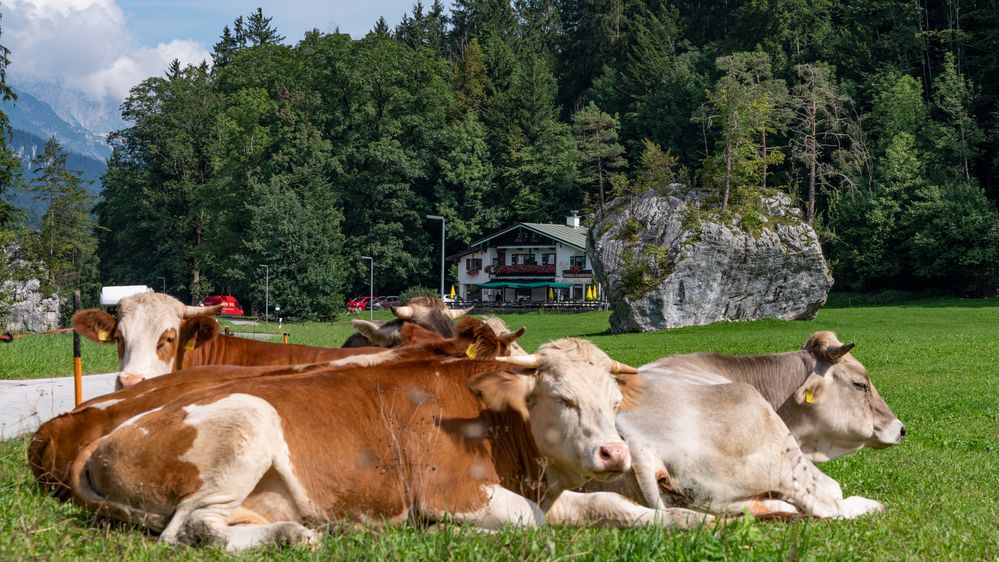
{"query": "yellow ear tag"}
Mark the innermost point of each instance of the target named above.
(190, 344)
(809, 396)
(103, 335)
(470, 352)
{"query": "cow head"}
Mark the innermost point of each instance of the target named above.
(152, 332)
(837, 410)
(429, 313)
(571, 396)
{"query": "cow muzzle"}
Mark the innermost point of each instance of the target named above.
(889, 435)
(125, 380)
(612, 460)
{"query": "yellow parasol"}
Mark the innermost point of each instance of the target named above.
(551, 294)
(452, 291)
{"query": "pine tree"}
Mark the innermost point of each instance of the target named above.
(259, 30)
(600, 155)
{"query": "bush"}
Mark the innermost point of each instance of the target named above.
(419, 292)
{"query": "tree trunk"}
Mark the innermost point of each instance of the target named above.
(813, 154)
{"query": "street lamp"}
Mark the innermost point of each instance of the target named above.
(267, 291)
(440, 218)
(163, 279)
(371, 289)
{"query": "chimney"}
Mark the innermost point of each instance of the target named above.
(573, 220)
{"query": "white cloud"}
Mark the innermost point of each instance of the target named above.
(85, 45)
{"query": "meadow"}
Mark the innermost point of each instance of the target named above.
(934, 361)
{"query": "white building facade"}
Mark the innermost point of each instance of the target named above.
(535, 262)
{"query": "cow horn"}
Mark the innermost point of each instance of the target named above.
(199, 311)
(457, 313)
(404, 312)
(619, 368)
(526, 361)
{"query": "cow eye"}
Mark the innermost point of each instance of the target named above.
(861, 386)
(565, 402)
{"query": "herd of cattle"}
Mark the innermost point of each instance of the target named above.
(213, 439)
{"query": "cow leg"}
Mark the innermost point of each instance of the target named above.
(760, 507)
(615, 510)
(503, 508)
(239, 438)
(816, 493)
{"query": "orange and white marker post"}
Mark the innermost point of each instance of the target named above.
(77, 361)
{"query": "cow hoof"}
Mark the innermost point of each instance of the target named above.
(855, 506)
(295, 534)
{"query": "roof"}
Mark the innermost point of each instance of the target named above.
(575, 237)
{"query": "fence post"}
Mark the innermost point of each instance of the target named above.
(286, 334)
(77, 360)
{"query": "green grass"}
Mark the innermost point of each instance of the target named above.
(935, 361)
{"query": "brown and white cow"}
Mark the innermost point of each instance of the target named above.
(430, 313)
(58, 441)
(824, 395)
(251, 462)
(156, 334)
(720, 448)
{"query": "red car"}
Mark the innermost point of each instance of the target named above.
(361, 303)
(230, 306)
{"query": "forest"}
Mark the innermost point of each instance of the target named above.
(881, 119)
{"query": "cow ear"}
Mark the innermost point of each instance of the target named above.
(501, 390)
(195, 332)
(94, 324)
(808, 393)
(371, 331)
(631, 390)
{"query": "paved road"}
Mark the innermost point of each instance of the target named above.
(25, 404)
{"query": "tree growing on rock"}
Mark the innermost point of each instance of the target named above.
(601, 157)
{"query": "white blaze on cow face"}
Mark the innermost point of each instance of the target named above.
(149, 331)
(837, 409)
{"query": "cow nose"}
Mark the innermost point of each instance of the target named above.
(125, 381)
(614, 457)
(902, 431)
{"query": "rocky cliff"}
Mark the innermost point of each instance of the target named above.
(667, 261)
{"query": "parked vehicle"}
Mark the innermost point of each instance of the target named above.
(361, 303)
(386, 303)
(230, 306)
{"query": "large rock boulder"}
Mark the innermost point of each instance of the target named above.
(666, 260)
(23, 307)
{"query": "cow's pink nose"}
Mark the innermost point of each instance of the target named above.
(614, 457)
(125, 381)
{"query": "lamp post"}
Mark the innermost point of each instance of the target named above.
(163, 279)
(267, 291)
(371, 288)
(440, 218)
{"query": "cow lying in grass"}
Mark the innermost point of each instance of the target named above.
(156, 334)
(429, 313)
(700, 440)
(58, 441)
(252, 461)
(822, 393)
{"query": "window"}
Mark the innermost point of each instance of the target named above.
(530, 259)
(547, 259)
(578, 261)
(473, 264)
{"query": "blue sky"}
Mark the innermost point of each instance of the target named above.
(159, 21)
(101, 48)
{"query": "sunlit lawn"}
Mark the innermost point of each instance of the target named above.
(934, 361)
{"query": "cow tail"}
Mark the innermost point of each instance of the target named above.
(87, 496)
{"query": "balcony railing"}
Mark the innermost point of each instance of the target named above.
(575, 272)
(521, 269)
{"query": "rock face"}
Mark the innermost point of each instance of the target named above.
(23, 308)
(667, 262)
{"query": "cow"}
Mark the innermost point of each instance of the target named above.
(58, 441)
(156, 334)
(430, 313)
(822, 393)
(723, 449)
(251, 462)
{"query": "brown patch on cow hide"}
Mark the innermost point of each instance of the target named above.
(166, 347)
